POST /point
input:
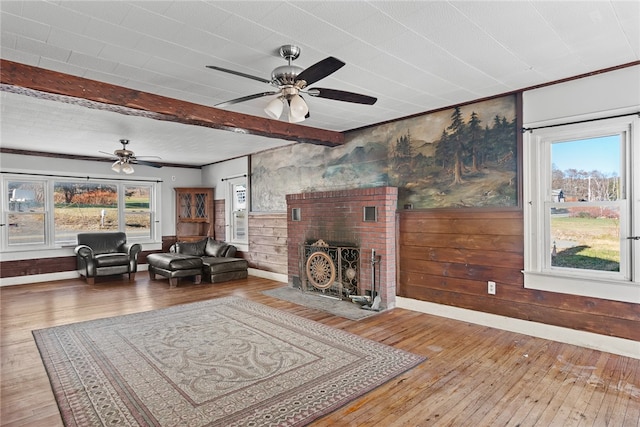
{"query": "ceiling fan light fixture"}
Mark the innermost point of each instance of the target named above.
(275, 107)
(116, 167)
(295, 119)
(127, 168)
(298, 109)
(125, 158)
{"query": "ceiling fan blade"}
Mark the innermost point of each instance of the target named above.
(146, 157)
(320, 70)
(109, 154)
(245, 98)
(145, 163)
(238, 73)
(341, 95)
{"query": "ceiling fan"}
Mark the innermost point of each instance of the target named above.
(291, 81)
(125, 158)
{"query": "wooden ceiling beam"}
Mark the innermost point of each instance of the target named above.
(59, 86)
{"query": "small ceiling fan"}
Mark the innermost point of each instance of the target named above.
(291, 81)
(125, 158)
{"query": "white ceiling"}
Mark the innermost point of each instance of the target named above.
(413, 56)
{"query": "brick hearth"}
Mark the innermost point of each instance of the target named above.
(337, 217)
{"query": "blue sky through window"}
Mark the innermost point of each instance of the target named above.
(601, 154)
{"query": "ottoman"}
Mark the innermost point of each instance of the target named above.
(174, 266)
(221, 269)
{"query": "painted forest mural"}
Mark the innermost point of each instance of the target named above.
(461, 157)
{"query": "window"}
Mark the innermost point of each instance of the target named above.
(49, 213)
(26, 216)
(83, 206)
(138, 216)
(579, 216)
(585, 209)
(237, 210)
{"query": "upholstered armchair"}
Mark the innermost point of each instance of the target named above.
(105, 254)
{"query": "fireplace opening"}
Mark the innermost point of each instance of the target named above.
(331, 270)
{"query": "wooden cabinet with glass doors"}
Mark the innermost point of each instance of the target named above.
(194, 213)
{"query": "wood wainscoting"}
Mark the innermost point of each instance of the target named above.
(38, 266)
(268, 242)
(219, 219)
(473, 376)
(447, 257)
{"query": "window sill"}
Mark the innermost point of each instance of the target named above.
(608, 289)
(64, 251)
(26, 253)
(242, 247)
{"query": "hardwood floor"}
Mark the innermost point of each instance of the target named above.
(474, 375)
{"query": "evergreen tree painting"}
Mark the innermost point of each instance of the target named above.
(473, 162)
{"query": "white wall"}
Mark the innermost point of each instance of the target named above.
(615, 92)
(213, 175)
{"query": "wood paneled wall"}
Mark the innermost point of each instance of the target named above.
(268, 242)
(447, 257)
(30, 267)
(219, 226)
(35, 266)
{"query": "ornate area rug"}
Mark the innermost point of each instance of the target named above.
(222, 362)
(334, 306)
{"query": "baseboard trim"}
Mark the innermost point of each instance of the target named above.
(49, 277)
(278, 277)
(615, 345)
(38, 278)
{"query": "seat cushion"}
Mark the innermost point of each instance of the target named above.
(230, 275)
(111, 259)
(174, 261)
(213, 265)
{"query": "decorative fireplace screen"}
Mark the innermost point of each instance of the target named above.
(330, 270)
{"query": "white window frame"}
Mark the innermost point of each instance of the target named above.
(623, 286)
(49, 181)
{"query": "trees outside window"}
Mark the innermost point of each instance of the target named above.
(82, 206)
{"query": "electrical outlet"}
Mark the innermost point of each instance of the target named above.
(491, 287)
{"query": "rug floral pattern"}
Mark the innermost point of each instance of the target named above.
(222, 362)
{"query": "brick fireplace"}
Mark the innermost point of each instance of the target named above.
(362, 218)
